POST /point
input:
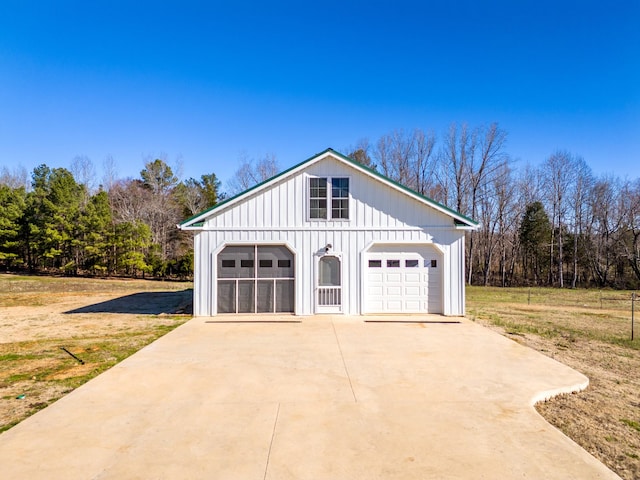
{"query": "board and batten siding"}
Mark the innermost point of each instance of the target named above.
(378, 214)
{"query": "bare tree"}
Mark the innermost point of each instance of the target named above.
(395, 152)
(408, 158)
(486, 158)
(530, 186)
(557, 171)
(383, 154)
(84, 172)
(191, 197)
(252, 172)
(459, 146)
(196, 195)
(128, 199)
(603, 227)
(632, 219)
(423, 166)
(161, 212)
(582, 183)
(16, 178)
(498, 216)
(361, 153)
(110, 173)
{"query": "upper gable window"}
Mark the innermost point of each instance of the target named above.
(340, 198)
(329, 198)
(318, 198)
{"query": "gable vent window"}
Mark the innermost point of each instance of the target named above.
(329, 198)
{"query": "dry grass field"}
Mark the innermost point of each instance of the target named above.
(590, 331)
(45, 322)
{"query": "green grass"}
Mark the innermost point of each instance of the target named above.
(586, 298)
(13, 357)
(557, 313)
(630, 423)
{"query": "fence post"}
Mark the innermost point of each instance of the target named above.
(633, 301)
(600, 299)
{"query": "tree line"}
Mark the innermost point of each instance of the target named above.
(555, 224)
(56, 223)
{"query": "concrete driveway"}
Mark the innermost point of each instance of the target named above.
(326, 398)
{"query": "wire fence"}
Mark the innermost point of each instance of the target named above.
(600, 299)
(616, 305)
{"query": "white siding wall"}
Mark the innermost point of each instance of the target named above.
(378, 213)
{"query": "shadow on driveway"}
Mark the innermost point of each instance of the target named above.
(145, 303)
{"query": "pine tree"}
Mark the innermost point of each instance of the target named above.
(535, 235)
(12, 208)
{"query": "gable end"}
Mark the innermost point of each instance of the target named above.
(196, 222)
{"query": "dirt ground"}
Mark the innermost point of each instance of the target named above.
(605, 418)
(46, 321)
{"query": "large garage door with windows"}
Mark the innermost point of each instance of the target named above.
(255, 279)
(404, 280)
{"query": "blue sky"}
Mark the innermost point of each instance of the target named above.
(208, 82)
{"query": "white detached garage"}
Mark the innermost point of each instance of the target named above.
(329, 235)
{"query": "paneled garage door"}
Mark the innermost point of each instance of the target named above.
(403, 281)
(255, 279)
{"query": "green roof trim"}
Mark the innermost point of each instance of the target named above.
(462, 220)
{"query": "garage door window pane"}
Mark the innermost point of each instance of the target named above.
(226, 296)
(265, 296)
(284, 296)
(393, 263)
(412, 263)
(275, 261)
(236, 261)
(246, 297)
(375, 263)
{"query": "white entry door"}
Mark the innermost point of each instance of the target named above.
(403, 281)
(328, 290)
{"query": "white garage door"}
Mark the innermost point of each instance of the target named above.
(403, 281)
